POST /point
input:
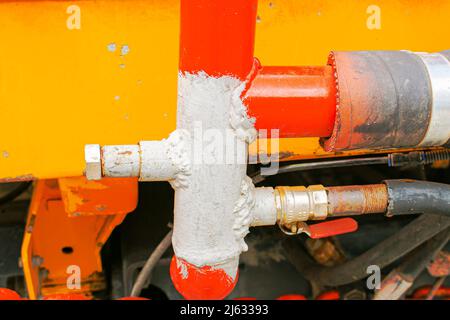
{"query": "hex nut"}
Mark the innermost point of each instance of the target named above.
(92, 156)
(319, 201)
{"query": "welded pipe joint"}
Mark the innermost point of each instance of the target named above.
(158, 160)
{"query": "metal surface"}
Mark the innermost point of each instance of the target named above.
(349, 200)
(438, 67)
(384, 100)
(104, 197)
(298, 101)
(121, 161)
(61, 85)
(77, 214)
(216, 59)
(301, 204)
(92, 157)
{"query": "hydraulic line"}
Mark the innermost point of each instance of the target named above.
(291, 206)
(321, 165)
(414, 158)
(414, 197)
(150, 264)
(389, 250)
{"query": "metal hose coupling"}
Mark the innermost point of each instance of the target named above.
(295, 205)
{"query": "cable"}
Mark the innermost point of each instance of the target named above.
(414, 158)
(320, 165)
(14, 193)
(150, 264)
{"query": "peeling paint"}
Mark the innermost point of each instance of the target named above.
(111, 47)
(204, 219)
(25, 177)
(124, 50)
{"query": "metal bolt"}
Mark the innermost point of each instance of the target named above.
(92, 156)
(36, 261)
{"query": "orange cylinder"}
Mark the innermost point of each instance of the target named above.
(299, 101)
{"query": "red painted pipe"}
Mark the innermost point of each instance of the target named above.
(299, 101)
(216, 38)
(8, 294)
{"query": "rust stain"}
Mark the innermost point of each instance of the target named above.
(348, 200)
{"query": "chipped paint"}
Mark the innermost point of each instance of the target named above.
(25, 177)
(124, 50)
(106, 196)
(111, 47)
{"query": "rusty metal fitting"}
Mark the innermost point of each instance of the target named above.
(296, 204)
(355, 200)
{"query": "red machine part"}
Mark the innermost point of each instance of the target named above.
(329, 295)
(332, 228)
(299, 101)
(292, 297)
(441, 293)
(205, 283)
(66, 296)
(7, 294)
(216, 38)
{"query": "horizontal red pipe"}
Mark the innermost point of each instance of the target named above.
(299, 101)
(217, 37)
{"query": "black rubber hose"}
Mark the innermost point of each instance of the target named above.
(414, 197)
(389, 250)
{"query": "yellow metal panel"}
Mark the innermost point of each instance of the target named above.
(62, 88)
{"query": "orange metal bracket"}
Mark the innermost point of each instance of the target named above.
(68, 222)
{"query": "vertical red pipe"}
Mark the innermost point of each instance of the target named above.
(216, 38)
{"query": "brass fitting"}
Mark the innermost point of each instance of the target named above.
(297, 204)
